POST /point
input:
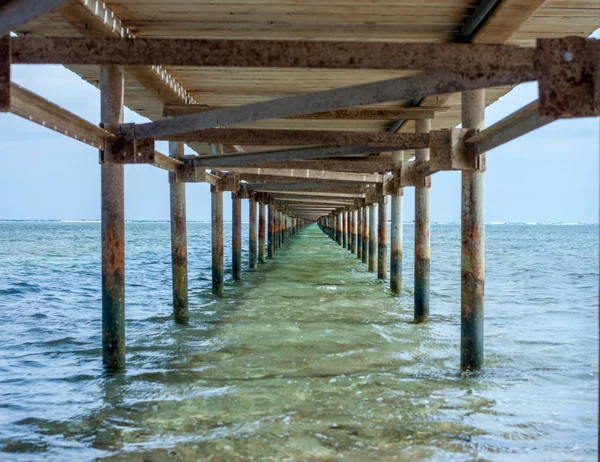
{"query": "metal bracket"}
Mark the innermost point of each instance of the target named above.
(568, 70)
(125, 149)
(449, 151)
(5, 59)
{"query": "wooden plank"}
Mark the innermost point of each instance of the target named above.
(515, 125)
(248, 136)
(311, 174)
(238, 159)
(14, 13)
(32, 107)
(417, 86)
(430, 57)
(506, 19)
(409, 113)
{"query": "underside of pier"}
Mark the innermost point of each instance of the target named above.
(306, 112)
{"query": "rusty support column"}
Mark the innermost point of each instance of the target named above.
(252, 232)
(422, 239)
(396, 232)
(353, 239)
(365, 234)
(344, 230)
(179, 261)
(359, 232)
(270, 242)
(372, 239)
(261, 230)
(216, 199)
(236, 235)
(382, 238)
(113, 229)
(472, 245)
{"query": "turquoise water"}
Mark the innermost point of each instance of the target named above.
(308, 358)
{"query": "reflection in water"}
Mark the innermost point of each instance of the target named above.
(309, 358)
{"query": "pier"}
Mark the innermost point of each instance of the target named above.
(307, 128)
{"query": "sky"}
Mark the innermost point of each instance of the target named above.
(550, 175)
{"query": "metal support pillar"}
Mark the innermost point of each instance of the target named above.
(472, 245)
(236, 235)
(372, 239)
(113, 229)
(270, 242)
(382, 238)
(216, 199)
(396, 233)
(359, 232)
(179, 260)
(261, 231)
(422, 239)
(252, 232)
(353, 238)
(365, 234)
(344, 230)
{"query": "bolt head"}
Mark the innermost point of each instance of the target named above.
(568, 56)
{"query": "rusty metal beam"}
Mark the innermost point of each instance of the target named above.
(249, 136)
(431, 57)
(405, 113)
(519, 123)
(308, 186)
(311, 174)
(239, 159)
(416, 86)
(14, 13)
(350, 165)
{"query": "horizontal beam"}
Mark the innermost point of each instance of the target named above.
(515, 125)
(14, 13)
(311, 174)
(250, 136)
(356, 166)
(309, 200)
(238, 159)
(432, 57)
(30, 106)
(407, 113)
(308, 186)
(416, 86)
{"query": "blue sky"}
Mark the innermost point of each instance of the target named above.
(549, 175)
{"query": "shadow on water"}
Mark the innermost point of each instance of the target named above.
(308, 358)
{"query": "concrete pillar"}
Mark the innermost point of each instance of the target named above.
(365, 234)
(396, 233)
(372, 239)
(353, 238)
(252, 258)
(261, 231)
(422, 239)
(344, 229)
(382, 238)
(472, 245)
(216, 198)
(113, 229)
(236, 235)
(179, 260)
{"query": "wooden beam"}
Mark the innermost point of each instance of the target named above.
(93, 17)
(338, 165)
(310, 200)
(407, 113)
(311, 174)
(308, 186)
(430, 57)
(30, 106)
(316, 195)
(250, 136)
(416, 86)
(14, 13)
(238, 159)
(4, 74)
(515, 125)
(506, 19)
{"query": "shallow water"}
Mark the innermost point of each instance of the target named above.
(308, 358)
